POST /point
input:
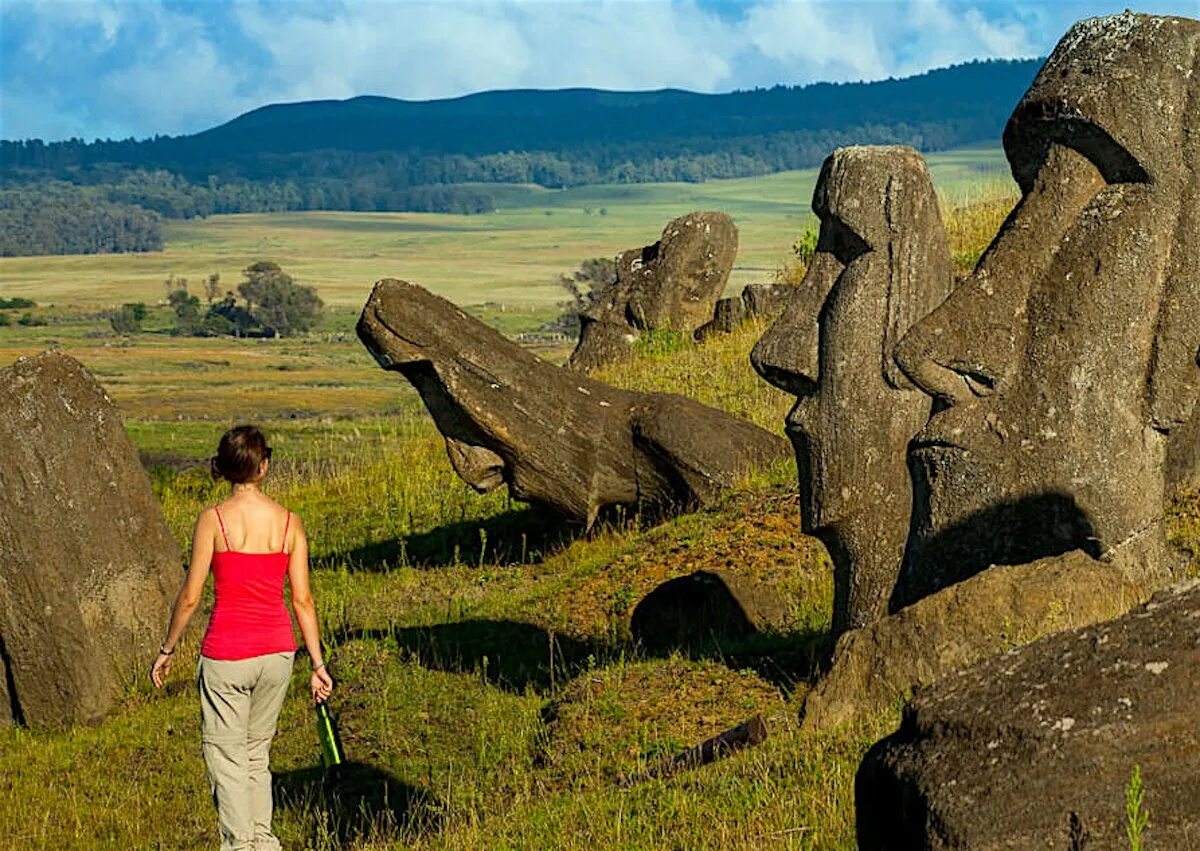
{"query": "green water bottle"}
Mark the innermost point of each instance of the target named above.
(331, 745)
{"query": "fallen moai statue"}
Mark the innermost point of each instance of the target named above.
(88, 567)
(556, 438)
(1035, 748)
(672, 284)
(881, 263)
(1065, 367)
(766, 300)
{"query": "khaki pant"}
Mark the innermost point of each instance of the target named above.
(239, 707)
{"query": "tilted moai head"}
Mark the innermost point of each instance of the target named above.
(673, 283)
(555, 438)
(1067, 364)
(881, 263)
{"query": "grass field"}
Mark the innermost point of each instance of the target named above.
(512, 256)
(489, 692)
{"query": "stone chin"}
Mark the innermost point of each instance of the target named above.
(806, 445)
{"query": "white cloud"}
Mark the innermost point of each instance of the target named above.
(829, 42)
(143, 66)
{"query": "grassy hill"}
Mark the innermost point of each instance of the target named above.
(489, 689)
(373, 154)
(579, 129)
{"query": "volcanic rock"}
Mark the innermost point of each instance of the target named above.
(88, 567)
(1035, 748)
(673, 284)
(879, 665)
(881, 263)
(767, 300)
(1065, 367)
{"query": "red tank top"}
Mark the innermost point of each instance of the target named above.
(249, 617)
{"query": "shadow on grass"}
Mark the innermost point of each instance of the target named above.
(355, 801)
(517, 657)
(509, 655)
(514, 537)
(784, 660)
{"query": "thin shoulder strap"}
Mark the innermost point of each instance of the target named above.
(222, 522)
(286, 525)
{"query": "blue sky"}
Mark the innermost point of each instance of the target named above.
(117, 68)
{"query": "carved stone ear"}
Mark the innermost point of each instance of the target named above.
(920, 277)
(1175, 372)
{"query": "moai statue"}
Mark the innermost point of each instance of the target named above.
(1065, 368)
(881, 264)
(88, 566)
(671, 284)
(556, 438)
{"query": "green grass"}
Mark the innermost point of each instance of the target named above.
(447, 680)
(458, 625)
(511, 257)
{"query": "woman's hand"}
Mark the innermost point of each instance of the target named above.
(162, 667)
(322, 684)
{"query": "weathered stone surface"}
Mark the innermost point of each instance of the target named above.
(674, 283)
(766, 300)
(728, 315)
(704, 606)
(1066, 365)
(88, 567)
(876, 667)
(1036, 746)
(556, 438)
(881, 263)
(6, 698)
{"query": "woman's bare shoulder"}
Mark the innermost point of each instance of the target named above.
(279, 507)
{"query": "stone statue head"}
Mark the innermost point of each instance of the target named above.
(1064, 365)
(881, 263)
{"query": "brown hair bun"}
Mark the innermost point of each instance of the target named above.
(240, 454)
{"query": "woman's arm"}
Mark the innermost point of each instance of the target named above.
(188, 599)
(306, 611)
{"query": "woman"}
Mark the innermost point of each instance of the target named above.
(251, 543)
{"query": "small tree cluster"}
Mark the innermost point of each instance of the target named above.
(274, 305)
(795, 267)
(280, 305)
(127, 319)
(586, 286)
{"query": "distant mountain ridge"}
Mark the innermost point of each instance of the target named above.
(978, 96)
(382, 154)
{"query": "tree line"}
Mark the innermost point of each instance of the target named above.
(379, 154)
(61, 218)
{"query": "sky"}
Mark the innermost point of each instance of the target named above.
(120, 68)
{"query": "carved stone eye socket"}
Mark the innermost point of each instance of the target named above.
(1035, 129)
(839, 239)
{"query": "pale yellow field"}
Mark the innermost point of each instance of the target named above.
(512, 256)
